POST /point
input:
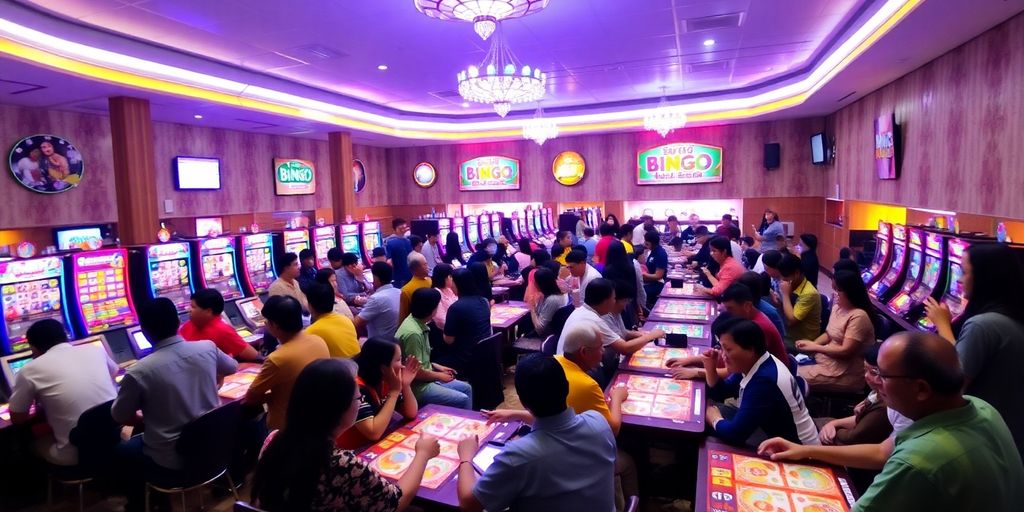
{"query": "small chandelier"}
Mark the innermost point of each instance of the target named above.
(484, 14)
(540, 129)
(665, 118)
(501, 80)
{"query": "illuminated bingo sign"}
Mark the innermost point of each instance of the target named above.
(489, 173)
(294, 177)
(885, 147)
(682, 162)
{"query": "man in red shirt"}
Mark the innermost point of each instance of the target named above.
(607, 232)
(205, 323)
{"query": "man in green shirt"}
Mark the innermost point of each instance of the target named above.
(803, 317)
(434, 383)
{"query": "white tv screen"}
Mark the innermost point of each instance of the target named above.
(194, 173)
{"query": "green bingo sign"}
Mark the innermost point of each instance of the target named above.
(489, 173)
(682, 162)
(293, 177)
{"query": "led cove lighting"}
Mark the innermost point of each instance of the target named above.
(74, 58)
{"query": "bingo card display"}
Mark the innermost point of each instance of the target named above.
(734, 481)
(653, 358)
(662, 401)
(503, 313)
(237, 384)
(695, 333)
(684, 310)
(687, 290)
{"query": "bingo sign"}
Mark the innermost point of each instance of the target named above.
(885, 147)
(294, 177)
(489, 173)
(682, 162)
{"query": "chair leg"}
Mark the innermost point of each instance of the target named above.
(184, 504)
(81, 496)
(147, 498)
(49, 490)
(231, 482)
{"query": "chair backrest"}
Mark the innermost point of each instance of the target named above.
(207, 443)
(558, 320)
(241, 506)
(486, 373)
(95, 435)
(549, 346)
(633, 504)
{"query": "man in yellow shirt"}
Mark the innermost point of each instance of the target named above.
(338, 332)
(420, 279)
(803, 316)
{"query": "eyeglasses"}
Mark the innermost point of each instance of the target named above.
(886, 377)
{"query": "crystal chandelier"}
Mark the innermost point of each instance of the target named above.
(484, 14)
(501, 80)
(540, 129)
(665, 118)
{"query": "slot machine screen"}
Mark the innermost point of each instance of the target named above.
(31, 290)
(496, 226)
(296, 241)
(169, 273)
(915, 266)
(956, 272)
(218, 258)
(350, 243)
(371, 237)
(444, 226)
(323, 240)
(932, 266)
(897, 265)
(252, 310)
(100, 283)
(472, 234)
(259, 261)
(485, 228)
(11, 365)
(536, 225)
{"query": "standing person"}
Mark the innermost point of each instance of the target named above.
(453, 249)
(352, 281)
(468, 321)
(839, 364)
(442, 282)
(801, 304)
(434, 383)
(607, 232)
(989, 335)
(172, 386)
(384, 388)
(771, 227)
(553, 300)
(287, 282)
(728, 229)
(301, 469)
(657, 268)
(307, 269)
(646, 223)
(205, 323)
(330, 278)
(612, 221)
(590, 243)
(807, 249)
(541, 472)
(273, 385)
(420, 279)
(380, 314)
(729, 268)
(690, 232)
(432, 251)
(65, 381)
(337, 331)
(580, 226)
(628, 279)
(398, 248)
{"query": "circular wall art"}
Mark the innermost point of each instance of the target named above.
(424, 175)
(569, 168)
(47, 164)
(359, 175)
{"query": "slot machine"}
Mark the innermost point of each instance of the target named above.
(523, 231)
(100, 299)
(485, 227)
(882, 255)
(163, 270)
(897, 270)
(31, 290)
(291, 241)
(472, 232)
(900, 302)
(954, 297)
(257, 263)
(444, 226)
(932, 277)
(549, 216)
(496, 225)
(217, 268)
(508, 229)
(325, 238)
(350, 240)
(535, 224)
(371, 240)
(545, 226)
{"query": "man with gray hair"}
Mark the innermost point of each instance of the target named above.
(420, 279)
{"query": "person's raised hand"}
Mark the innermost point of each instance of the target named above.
(467, 447)
(427, 445)
(785, 287)
(710, 359)
(937, 312)
(619, 394)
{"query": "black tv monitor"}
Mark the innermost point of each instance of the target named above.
(196, 173)
(819, 153)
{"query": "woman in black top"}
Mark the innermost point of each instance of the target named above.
(468, 322)
(453, 249)
(809, 257)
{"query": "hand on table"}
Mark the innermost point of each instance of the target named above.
(658, 333)
(467, 447)
(619, 394)
(778, 448)
(937, 312)
(428, 446)
(712, 415)
(684, 373)
(501, 415)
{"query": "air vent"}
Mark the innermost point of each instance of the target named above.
(313, 52)
(257, 125)
(719, 22)
(446, 95)
(713, 66)
(95, 106)
(12, 87)
(840, 100)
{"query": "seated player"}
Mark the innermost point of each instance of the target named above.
(379, 315)
(544, 471)
(869, 423)
(330, 278)
(729, 268)
(957, 455)
(614, 319)
(307, 268)
(467, 323)
(205, 323)
(172, 386)
(434, 383)
(656, 267)
(442, 281)
(335, 330)
(576, 261)
(801, 304)
(542, 314)
(273, 385)
(607, 232)
(760, 285)
(590, 243)
(769, 397)
(563, 244)
(385, 385)
(352, 280)
(625, 236)
(287, 282)
(65, 381)
(420, 279)
(840, 349)
(378, 254)
(300, 469)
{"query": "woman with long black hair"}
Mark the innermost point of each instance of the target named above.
(385, 387)
(300, 468)
(626, 273)
(453, 249)
(553, 300)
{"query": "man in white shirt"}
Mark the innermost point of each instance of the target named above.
(66, 381)
(646, 222)
(599, 300)
(432, 252)
(576, 260)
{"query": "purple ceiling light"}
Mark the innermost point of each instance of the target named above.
(501, 79)
(485, 14)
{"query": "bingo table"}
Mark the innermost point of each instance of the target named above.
(391, 456)
(687, 290)
(662, 402)
(653, 358)
(736, 479)
(696, 334)
(684, 310)
(237, 384)
(506, 314)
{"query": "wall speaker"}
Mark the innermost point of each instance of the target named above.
(772, 155)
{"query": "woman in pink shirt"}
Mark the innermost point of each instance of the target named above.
(730, 269)
(442, 281)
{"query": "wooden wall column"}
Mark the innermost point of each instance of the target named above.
(131, 133)
(343, 195)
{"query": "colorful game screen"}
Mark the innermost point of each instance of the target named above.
(259, 261)
(932, 266)
(485, 227)
(296, 240)
(444, 226)
(662, 401)
(392, 456)
(733, 479)
(31, 290)
(653, 358)
(100, 283)
(915, 269)
(371, 238)
(495, 226)
(503, 313)
(236, 384)
(323, 241)
(694, 332)
(954, 297)
(473, 233)
(684, 310)
(218, 258)
(536, 224)
(686, 290)
(170, 273)
(901, 303)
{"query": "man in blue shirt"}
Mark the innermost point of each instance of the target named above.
(307, 269)
(352, 280)
(398, 249)
(380, 314)
(566, 463)
(590, 243)
(760, 285)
